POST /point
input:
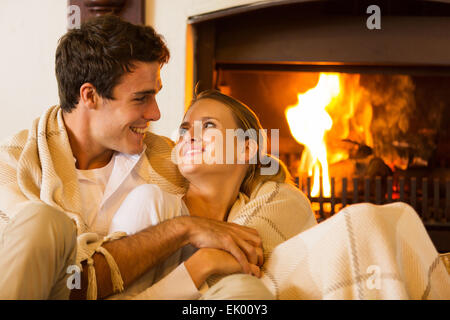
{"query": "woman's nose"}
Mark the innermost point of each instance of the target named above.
(195, 132)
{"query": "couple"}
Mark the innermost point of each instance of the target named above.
(67, 182)
(87, 185)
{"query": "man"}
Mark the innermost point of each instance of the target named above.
(80, 160)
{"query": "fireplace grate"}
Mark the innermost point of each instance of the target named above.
(429, 197)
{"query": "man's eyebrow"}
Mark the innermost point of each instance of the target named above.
(151, 91)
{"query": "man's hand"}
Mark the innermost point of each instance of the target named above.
(153, 245)
(243, 243)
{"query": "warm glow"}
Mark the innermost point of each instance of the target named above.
(308, 122)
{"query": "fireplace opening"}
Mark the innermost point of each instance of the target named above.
(387, 128)
(361, 116)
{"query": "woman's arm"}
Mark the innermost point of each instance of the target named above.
(184, 281)
(207, 262)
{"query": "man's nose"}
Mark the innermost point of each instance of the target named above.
(152, 112)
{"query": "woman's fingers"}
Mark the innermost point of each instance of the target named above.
(260, 254)
(256, 271)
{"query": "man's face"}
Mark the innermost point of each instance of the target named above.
(120, 124)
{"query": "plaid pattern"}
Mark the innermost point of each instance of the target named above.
(446, 260)
(363, 252)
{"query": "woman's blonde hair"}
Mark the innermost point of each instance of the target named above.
(247, 120)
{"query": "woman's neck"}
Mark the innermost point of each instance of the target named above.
(211, 199)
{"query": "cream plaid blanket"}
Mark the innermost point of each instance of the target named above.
(38, 165)
(363, 252)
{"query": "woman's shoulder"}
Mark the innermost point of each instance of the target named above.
(273, 197)
(280, 208)
(279, 197)
(278, 190)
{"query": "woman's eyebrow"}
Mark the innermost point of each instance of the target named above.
(186, 123)
(209, 118)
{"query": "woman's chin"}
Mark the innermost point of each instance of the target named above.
(188, 169)
(198, 166)
(198, 171)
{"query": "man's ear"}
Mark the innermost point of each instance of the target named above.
(88, 96)
(250, 152)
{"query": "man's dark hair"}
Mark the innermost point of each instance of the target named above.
(100, 52)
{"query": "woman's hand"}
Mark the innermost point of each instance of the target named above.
(206, 262)
(241, 242)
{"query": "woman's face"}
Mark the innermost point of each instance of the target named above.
(203, 146)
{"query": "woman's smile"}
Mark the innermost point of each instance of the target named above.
(192, 150)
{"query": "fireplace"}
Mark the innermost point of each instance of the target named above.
(375, 101)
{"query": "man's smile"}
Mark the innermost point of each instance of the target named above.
(138, 130)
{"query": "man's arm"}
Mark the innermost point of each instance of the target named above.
(136, 254)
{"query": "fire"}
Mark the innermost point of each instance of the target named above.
(308, 122)
(346, 121)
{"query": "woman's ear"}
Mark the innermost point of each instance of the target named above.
(249, 156)
(88, 96)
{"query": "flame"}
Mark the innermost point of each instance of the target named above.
(308, 122)
(341, 116)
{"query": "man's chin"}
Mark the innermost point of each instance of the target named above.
(132, 150)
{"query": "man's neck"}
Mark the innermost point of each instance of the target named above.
(88, 156)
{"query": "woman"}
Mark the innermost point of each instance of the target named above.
(249, 187)
(364, 252)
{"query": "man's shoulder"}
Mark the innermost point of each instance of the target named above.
(18, 139)
(164, 171)
(153, 141)
(12, 146)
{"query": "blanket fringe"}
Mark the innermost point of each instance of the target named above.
(116, 277)
(92, 281)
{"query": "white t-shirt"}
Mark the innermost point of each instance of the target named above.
(148, 205)
(115, 198)
(92, 187)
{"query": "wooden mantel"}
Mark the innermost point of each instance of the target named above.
(130, 10)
